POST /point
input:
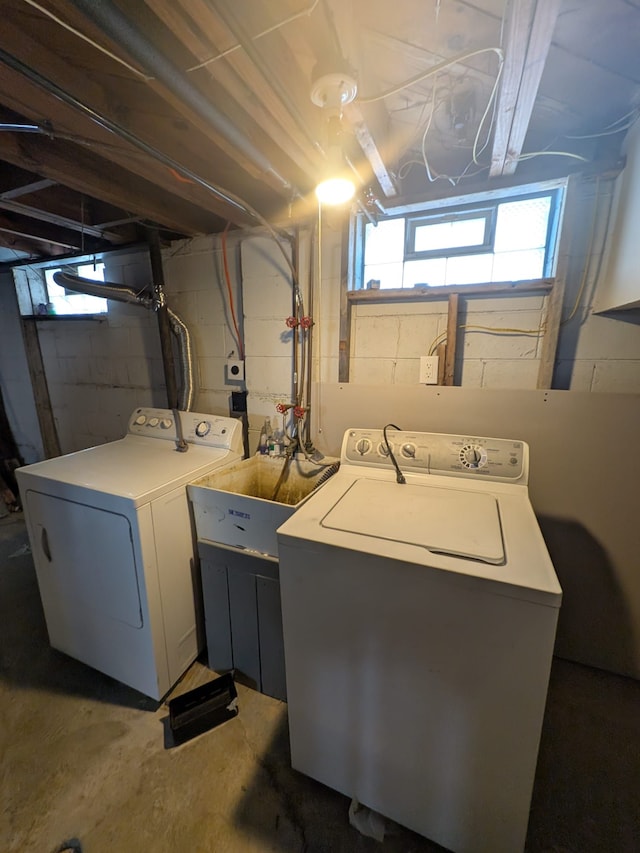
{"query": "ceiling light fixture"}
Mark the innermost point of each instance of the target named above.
(331, 92)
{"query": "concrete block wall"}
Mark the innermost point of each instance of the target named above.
(595, 352)
(14, 376)
(98, 371)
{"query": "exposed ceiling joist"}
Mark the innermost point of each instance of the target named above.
(27, 189)
(81, 170)
(61, 221)
(529, 31)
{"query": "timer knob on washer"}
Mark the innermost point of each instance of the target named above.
(203, 428)
(409, 451)
(363, 446)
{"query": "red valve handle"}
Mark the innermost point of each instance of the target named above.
(299, 411)
(291, 322)
(306, 322)
(283, 407)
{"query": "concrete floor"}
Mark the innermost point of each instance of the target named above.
(84, 764)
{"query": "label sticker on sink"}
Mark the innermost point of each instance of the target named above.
(239, 514)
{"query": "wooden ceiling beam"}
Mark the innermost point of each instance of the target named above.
(82, 171)
(190, 22)
(205, 109)
(61, 221)
(27, 189)
(529, 31)
(41, 232)
(127, 103)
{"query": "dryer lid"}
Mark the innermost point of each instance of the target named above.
(456, 522)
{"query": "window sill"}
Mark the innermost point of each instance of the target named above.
(100, 318)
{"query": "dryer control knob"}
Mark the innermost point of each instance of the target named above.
(154, 422)
(140, 420)
(383, 450)
(363, 446)
(203, 428)
(472, 456)
(166, 423)
(409, 451)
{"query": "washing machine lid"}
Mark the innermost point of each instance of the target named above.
(456, 522)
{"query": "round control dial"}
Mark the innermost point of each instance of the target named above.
(203, 428)
(153, 422)
(473, 456)
(383, 450)
(140, 420)
(363, 446)
(166, 423)
(408, 450)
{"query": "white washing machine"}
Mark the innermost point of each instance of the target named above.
(113, 545)
(419, 622)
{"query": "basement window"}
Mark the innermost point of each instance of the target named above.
(62, 301)
(511, 238)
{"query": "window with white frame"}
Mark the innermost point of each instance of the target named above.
(511, 238)
(63, 301)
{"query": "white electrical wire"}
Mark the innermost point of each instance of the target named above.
(90, 41)
(273, 28)
(435, 69)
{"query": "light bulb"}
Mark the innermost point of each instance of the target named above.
(335, 191)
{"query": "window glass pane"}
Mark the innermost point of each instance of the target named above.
(449, 235)
(522, 224)
(469, 269)
(516, 266)
(430, 272)
(389, 275)
(67, 302)
(384, 243)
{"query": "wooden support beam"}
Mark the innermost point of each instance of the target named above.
(28, 39)
(202, 33)
(452, 335)
(354, 115)
(553, 316)
(429, 294)
(27, 189)
(50, 440)
(529, 31)
(83, 171)
(57, 219)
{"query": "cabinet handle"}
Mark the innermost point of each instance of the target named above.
(44, 541)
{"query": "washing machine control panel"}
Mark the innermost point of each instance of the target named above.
(196, 428)
(497, 459)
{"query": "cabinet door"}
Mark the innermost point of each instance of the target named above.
(85, 561)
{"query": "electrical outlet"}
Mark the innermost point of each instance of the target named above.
(428, 369)
(234, 370)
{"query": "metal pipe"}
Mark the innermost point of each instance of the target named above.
(312, 250)
(164, 325)
(103, 289)
(235, 26)
(108, 17)
(53, 89)
(180, 330)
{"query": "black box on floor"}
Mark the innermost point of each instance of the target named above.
(203, 708)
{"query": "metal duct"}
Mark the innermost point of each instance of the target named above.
(108, 17)
(180, 330)
(103, 289)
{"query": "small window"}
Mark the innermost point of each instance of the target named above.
(63, 301)
(510, 239)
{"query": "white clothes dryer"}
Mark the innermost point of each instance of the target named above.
(113, 545)
(419, 622)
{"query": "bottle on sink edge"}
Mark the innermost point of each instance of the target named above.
(265, 437)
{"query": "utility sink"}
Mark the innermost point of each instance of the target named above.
(244, 504)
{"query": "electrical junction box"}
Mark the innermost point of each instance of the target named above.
(234, 370)
(428, 369)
